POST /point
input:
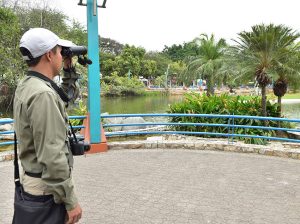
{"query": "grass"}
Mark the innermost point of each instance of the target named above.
(271, 96)
(6, 148)
(292, 96)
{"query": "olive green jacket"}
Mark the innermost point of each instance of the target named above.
(41, 125)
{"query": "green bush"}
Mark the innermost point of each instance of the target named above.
(122, 86)
(225, 105)
(79, 110)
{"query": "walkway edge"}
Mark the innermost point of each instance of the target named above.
(284, 150)
(278, 149)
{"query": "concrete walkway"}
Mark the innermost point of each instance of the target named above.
(179, 186)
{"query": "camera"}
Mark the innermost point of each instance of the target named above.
(73, 51)
(78, 148)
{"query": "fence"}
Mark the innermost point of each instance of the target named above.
(231, 126)
(10, 121)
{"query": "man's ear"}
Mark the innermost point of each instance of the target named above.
(48, 56)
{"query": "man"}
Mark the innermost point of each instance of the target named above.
(41, 122)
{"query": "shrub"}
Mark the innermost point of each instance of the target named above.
(122, 86)
(224, 105)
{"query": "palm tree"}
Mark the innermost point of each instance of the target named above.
(288, 72)
(264, 53)
(209, 60)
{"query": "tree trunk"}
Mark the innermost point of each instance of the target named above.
(263, 101)
(279, 108)
(280, 89)
(210, 87)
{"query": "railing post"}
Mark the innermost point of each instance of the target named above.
(228, 129)
(232, 138)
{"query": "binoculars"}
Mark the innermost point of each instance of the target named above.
(73, 51)
(79, 51)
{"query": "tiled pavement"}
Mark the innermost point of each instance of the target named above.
(180, 187)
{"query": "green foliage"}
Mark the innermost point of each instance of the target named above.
(131, 59)
(265, 52)
(176, 71)
(180, 52)
(227, 105)
(80, 110)
(110, 46)
(13, 23)
(208, 62)
(160, 81)
(162, 62)
(148, 68)
(120, 86)
(11, 64)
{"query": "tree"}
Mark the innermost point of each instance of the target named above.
(176, 71)
(209, 61)
(111, 46)
(11, 63)
(264, 53)
(148, 68)
(180, 52)
(107, 63)
(287, 72)
(162, 62)
(129, 59)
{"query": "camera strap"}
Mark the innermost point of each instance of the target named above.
(58, 90)
(73, 132)
(16, 164)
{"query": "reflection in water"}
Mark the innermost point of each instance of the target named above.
(291, 110)
(136, 105)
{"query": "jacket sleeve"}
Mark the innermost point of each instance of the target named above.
(70, 84)
(49, 128)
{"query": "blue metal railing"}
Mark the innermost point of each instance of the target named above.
(10, 121)
(231, 126)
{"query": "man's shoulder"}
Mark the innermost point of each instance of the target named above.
(35, 85)
(31, 86)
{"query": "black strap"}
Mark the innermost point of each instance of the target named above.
(73, 132)
(35, 175)
(17, 175)
(58, 90)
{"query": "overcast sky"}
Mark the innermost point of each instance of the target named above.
(154, 23)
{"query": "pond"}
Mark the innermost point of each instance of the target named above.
(143, 104)
(160, 104)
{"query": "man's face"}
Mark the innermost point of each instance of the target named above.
(57, 60)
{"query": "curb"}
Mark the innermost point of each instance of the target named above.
(6, 156)
(278, 149)
(284, 150)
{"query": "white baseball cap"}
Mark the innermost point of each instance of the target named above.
(39, 41)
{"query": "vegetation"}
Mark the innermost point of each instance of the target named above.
(120, 86)
(208, 61)
(268, 53)
(13, 23)
(226, 105)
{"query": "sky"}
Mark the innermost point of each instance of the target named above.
(152, 24)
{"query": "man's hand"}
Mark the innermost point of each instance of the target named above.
(67, 62)
(74, 215)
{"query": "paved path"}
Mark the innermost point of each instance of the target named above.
(180, 187)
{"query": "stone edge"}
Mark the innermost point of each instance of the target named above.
(278, 151)
(293, 153)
